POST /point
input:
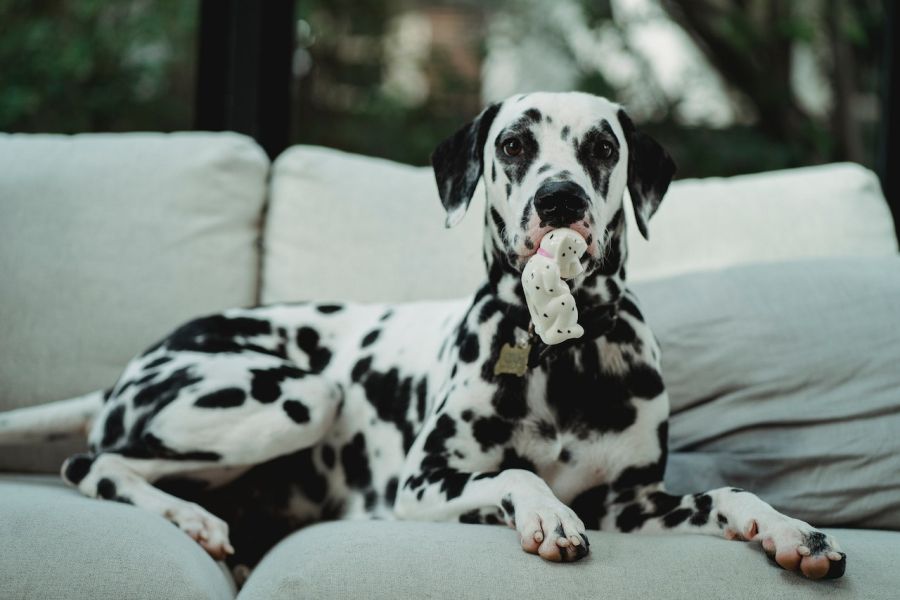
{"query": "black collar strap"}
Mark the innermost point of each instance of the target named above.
(596, 321)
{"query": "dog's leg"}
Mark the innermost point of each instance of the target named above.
(115, 477)
(434, 490)
(185, 438)
(735, 514)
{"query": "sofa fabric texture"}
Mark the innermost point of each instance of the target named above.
(106, 243)
(56, 543)
(474, 562)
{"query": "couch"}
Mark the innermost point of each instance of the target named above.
(773, 295)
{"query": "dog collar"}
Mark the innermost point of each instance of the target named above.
(597, 322)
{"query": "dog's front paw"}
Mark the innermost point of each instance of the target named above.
(205, 528)
(797, 546)
(552, 531)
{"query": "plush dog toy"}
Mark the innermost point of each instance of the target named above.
(549, 300)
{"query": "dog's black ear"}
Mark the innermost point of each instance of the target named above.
(650, 170)
(458, 164)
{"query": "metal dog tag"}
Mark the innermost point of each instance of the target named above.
(513, 360)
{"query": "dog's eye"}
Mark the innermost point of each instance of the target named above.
(512, 147)
(604, 150)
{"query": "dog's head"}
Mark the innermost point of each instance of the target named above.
(552, 160)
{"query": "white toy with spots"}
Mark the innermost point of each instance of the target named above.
(549, 299)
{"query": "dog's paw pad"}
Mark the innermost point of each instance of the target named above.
(812, 553)
(205, 528)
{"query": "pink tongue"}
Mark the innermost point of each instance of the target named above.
(543, 252)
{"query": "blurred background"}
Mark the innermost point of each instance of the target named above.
(728, 86)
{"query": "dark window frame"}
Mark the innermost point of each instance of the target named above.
(244, 55)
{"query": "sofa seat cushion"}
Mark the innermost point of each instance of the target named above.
(394, 559)
(107, 242)
(56, 543)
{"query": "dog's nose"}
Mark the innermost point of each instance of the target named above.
(560, 203)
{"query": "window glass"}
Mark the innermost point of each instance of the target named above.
(729, 87)
(92, 65)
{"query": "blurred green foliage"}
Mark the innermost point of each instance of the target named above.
(92, 65)
(95, 65)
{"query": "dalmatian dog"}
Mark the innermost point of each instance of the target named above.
(243, 426)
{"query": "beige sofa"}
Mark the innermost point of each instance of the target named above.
(108, 241)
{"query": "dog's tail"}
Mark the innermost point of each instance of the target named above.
(47, 422)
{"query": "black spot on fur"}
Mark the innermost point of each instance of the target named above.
(390, 491)
(77, 467)
(586, 398)
(491, 431)
(106, 488)
(265, 384)
(391, 396)
(113, 427)
(631, 518)
(722, 520)
(308, 342)
(644, 381)
(356, 463)
(327, 309)
(421, 399)
(163, 392)
(509, 398)
(700, 518)
(508, 507)
(472, 517)
(499, 225)
(564, 134)
(370, 338)
(296, 410)
(328, 455)
(219, 334)
(468, 351)
(361, 368)
(533, 115)
(224, 398)
(590, 506)
(513, 460)
(565, 455)
(676, 517)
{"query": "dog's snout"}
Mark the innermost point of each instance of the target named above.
(560, 203)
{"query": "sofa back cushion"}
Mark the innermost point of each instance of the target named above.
(106, 243)
(784, 380)
(346, 227)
